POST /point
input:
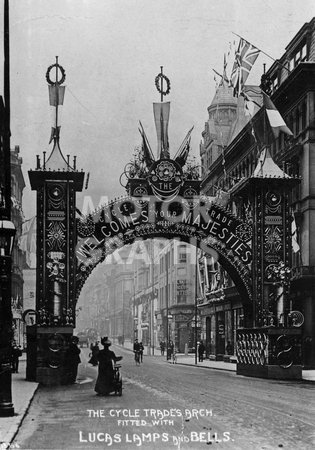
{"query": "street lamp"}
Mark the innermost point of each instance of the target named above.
(279, 275)
(7, 233)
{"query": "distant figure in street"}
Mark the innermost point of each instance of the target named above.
(201, 351)
(136, 350)
(170, 349)
(229, 348)
(106, 359)
(141, 351)
(162, 347)
(72, 360)
(16, 353)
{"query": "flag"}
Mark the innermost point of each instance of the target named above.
(56, 94)
(147, 152)
(295, 245)
(245, 57)
(274, 117)
(182, 157)
(54, 134)
(250, 104)
(222, 198)
(161, 117)
(27, 241)
(183, 151)
(206, 273)
(250, 109)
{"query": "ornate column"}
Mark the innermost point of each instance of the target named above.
(56, 183)
(271, 347)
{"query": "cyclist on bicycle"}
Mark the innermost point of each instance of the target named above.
(136, 350)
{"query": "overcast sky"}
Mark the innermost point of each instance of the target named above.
(111, 51)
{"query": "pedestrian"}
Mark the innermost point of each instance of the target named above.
(136, 350)
(136, 346)
(162, 348)
(201, 350)
(16, 353)
(170, 349)
(106, 359)
(72, 360)
(94, 352)
(141, 347)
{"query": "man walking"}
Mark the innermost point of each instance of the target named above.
(201, 350)
(16, 353)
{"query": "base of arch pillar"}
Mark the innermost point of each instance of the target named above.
(269, 352)
(270, 371)
(46, 355)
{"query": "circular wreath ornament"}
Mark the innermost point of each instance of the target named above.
(63, 74)
(244, 232)
(158, 84)
(86, 228)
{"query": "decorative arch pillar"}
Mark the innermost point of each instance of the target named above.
(56, 182)
(270, 347)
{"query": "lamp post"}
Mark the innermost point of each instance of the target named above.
(279, 275)
(196, 307)
(167, 306)
(151, 304)
(7, 233)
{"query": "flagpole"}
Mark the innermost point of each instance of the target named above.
(275, 60)
(161, 84)
(57, 95)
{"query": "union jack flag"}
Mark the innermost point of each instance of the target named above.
(245, 58)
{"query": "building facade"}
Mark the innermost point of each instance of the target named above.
(291, 84)
(119, 285)
(145, 292)
(177, 295)
(104, 307)
(18, 255)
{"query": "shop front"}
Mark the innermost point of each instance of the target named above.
(219, 322)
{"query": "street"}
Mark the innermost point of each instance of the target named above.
(166, 406)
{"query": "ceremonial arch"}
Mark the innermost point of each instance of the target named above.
(197, 220)
(163, 200)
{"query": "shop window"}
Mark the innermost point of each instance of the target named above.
(299, 56)
(304, 52)
(291, 64)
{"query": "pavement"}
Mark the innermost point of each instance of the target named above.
(23, 391)
(22, 394)
(188, 360)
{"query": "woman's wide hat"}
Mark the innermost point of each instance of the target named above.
(105, 341)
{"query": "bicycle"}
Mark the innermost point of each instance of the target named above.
(137, 358)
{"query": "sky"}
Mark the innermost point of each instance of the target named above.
(111, 51)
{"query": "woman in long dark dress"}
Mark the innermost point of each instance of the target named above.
(106, 359)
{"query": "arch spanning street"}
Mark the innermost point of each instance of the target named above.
(199, 221)
(164, 200)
